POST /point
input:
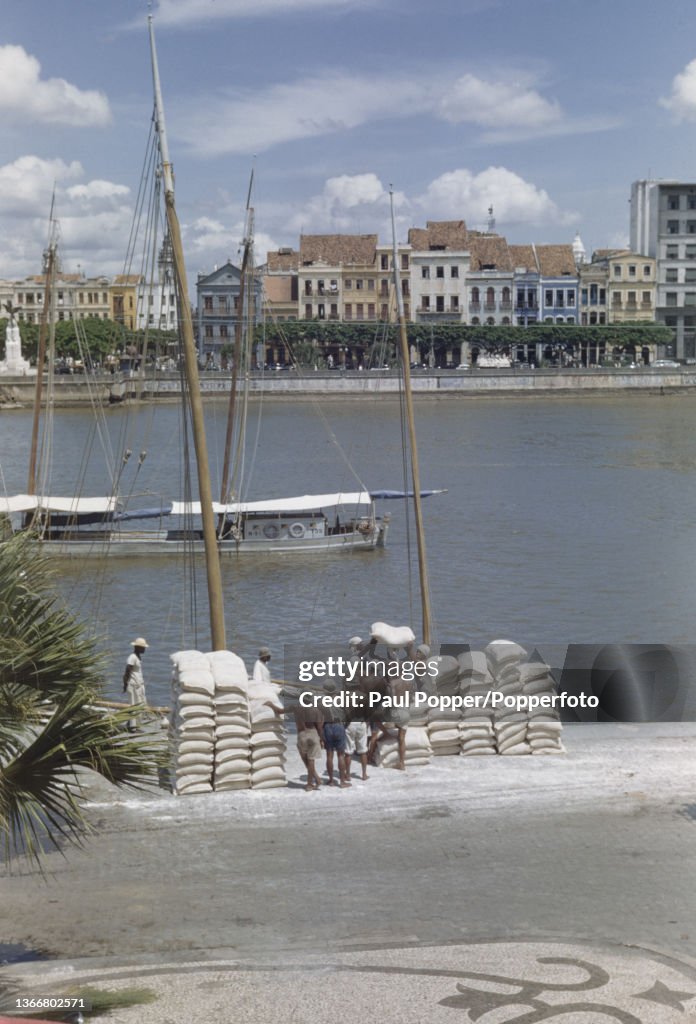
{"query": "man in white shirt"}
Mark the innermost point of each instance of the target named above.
(133, 680)
(261, 672)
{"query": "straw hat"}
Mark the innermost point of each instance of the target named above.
(139, 642)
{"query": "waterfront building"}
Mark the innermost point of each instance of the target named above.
(439, 265)
(337, 277)
(593, 280)
(91, 299)
(219, 310)
(387, 311)
(663, 226)
(630, 285)
(123, 300)
(280, 285)
(526, 284)
(489, 280)
(558, 284)
(156, 305)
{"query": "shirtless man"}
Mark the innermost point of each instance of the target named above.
(309, 723)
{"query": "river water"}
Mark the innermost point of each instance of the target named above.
(565, 520)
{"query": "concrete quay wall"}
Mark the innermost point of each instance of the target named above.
(68, 391)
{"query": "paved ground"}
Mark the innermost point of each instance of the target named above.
(282, 905)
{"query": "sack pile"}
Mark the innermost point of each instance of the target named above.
(544, 726)
(504, 659)
(191, 724)
(476, 735)
(443, 732)
(268, 742)
(232, 727)
(418, 749)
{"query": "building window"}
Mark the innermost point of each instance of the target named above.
(671, 275)
(454, 271)
(690, 298)
(349, 311)
(308, 311)
(690, 275)
(208, 330)
(672, 227)
(320, 311)
(359, 283)
(384, 261)
(646, 298)
(425, 273)
(690, 252)
(440, 303)
(359, 311)
(617, 271)
(570, 298)
(349, 283)
(223, 331)
(672, 202)
(670, 299)
(370, 284)
(404, 262)
(672, 252)
(208, 303)
(583, 295)
(425, 303)
(384, 311)
(548, 297)
(559, 296)
(631, 270)
(691, 202)
(439, 271)
(475, 295)
(454, 303)
(647, 269)
(520, 296)
(370, 311)
(631, 298)
(691, 227)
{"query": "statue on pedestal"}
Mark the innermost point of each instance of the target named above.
(13, 364)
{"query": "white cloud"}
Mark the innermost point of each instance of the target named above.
(24, 94)
(461, 193)
(347, 203)
(500, 104)
(27, 183)
(98, 190)
(682, 101)
(187, 12)
(322, 105)
(335, 101)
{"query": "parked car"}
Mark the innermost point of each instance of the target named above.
(666, 364)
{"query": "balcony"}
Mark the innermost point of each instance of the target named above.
(475, 307)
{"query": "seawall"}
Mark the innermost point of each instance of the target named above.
(74, 390)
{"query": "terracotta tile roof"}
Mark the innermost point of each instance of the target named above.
(523, 256)
(283, 261)
(439, 234)
(126, 279)
(489, 252)
(556, 260)
(333, 250)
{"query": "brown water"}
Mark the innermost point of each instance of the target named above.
(566, 519)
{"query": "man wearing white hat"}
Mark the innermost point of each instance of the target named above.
(133, 680)
(261, 672)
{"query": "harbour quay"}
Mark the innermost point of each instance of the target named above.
(77, 390)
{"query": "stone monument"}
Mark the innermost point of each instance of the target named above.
(13, 365)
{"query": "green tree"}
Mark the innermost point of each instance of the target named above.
(52, 735)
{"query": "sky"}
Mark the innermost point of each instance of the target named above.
(547, 111)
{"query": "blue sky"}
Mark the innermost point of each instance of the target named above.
(546, 110)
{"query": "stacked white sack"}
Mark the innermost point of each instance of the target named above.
(232, 726)
(444, 732)
(476, 735)
(268, 738)
(510, 724)
(191, 724)
(418, 749)
(543, 727)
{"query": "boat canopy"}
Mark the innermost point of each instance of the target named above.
(303, 503)
(383, 495)
(144, 513)
(70, 506)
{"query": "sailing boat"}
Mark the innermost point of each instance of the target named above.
(97, 526)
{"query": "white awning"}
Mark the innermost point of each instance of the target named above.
(303, 503)
(74, 506)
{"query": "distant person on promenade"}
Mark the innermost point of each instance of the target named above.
(309, 723)
(133, 679)
(261, 672)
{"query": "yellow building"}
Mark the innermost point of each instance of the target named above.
(123, 300)
(631, 285)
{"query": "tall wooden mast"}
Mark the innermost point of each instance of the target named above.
(49, 282)
(415, 472)
(212, 558)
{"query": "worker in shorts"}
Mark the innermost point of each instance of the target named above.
(356, 743)
(309, 724)
(335, 740)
